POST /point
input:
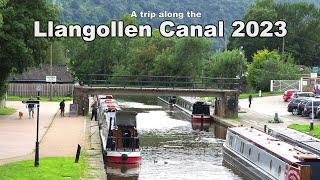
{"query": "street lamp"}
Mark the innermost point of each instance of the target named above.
(36, 158)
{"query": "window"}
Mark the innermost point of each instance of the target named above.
(279, 170)
(249, 151)
(231, 141)
(241, 147)
(270, 165)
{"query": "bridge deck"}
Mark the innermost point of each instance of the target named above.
(156, 91)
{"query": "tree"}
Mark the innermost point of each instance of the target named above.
(268, 65)
(303, 26)
(229, 64)
(19, 48)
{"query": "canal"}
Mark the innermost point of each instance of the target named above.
(170, 148)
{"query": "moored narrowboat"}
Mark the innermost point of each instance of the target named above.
(200, 118)
(123, 142)
(261, 156)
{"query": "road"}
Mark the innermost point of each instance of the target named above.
(263, 109)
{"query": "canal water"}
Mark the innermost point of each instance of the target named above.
(171, 149)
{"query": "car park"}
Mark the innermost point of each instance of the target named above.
(287, 95)
(308, 107)
(293, 105)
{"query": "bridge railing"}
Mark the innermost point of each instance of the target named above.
(103, 80)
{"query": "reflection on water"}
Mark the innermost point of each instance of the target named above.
(172, 150)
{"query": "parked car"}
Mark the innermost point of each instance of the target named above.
(308, 107)
(293, 105)
(301, 106)
(318, 112)
(303, 94)
(287, 95)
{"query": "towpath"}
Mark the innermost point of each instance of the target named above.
(58, 136)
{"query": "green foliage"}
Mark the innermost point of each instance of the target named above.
(7, 111)
(19, 49)
(139, 56)
(268, 65)
(303, 25)
(229, 64)
(59, 53)
(306, 129)
(50, 168)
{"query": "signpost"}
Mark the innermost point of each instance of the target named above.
(73, 109)
(51, 79)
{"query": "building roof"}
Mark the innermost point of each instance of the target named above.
(39, 74)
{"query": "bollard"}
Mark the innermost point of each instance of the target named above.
(78, 154)
(260, 93)
(276, 118)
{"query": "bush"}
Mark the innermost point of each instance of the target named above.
(269, 65)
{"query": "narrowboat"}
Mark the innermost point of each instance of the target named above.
(260, 156)
(200, 118)
(123, 141)
(118, 132)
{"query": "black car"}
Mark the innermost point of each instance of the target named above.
(303, 94)
(301, 106)
(293, 105)
(308, 107)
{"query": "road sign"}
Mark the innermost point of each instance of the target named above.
(313, 75)
(38, 88)
(315, 69)
(51, 78)
(73, 109)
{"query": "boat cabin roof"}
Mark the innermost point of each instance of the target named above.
(281, 149)
(127, 119)
(200, 108)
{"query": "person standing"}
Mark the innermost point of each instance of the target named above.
(94, 111)
(250, 100)
(62, 106)
(30, 109)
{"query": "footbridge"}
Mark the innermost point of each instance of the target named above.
(225, 89)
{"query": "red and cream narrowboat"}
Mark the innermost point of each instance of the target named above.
(123, 142)
(261, 156)
(200, 118)
(118, 133)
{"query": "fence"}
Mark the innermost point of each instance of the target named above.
(105, 80)
(283, 85)
(30, 89)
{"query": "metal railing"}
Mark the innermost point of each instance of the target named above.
(103, 80)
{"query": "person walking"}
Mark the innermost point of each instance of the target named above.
(250, 100)
(94, 111)
(30, 109)
(62, 106)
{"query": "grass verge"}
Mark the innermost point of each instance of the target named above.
(7, 111)
(306, 129)
(42, 98)
(50, 168)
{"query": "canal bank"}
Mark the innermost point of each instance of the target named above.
(93, 153)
